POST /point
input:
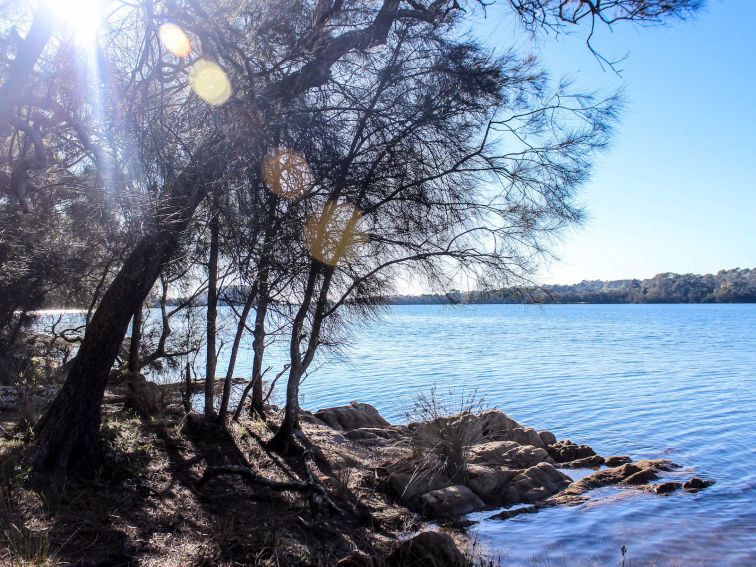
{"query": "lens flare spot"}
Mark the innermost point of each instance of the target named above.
(334, 233)
(175, 40)
(210, 82)
(287, 174)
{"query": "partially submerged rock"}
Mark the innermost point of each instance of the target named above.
(695, 484)
(566, 451)
(353, 416)
(667, 487)
(534, 484)
(640, 472)
(585, 463)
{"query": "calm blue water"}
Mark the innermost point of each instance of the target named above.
(672, 381)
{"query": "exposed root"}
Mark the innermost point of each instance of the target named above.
(251, 476)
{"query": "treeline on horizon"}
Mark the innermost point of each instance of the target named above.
(726, 286)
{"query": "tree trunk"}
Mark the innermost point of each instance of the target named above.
(212, 314)
(258, 346)
(187, 394)
(232, 361)
(67, 435)
(281, 442)
(136, 340)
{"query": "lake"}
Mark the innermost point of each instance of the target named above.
(649, 381)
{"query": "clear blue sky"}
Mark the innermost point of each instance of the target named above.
(676, 192)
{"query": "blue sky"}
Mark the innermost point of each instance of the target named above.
(676, 192)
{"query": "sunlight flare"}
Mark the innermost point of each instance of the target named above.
(210, 82)
(175, 40)
(287, 174)
(334, 233)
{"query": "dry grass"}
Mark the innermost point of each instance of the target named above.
(445, 432)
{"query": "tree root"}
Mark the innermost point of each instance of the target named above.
(317, 487)
(251, 476)
(318, 493)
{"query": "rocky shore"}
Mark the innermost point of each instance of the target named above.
(387, 495)
(452, 466)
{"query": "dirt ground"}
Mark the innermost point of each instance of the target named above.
(147, 504)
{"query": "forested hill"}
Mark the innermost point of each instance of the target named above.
(726, 286)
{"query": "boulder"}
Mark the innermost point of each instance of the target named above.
(427, 549)
(616, 461)
(141, 395)
(534, 484)
(508, 514)
(488, 482)
(695, 484)
(509, 453)
(455, 500)
(495, 424)
(527, 436)
(566, 451)
(353, 416)
(547, 437)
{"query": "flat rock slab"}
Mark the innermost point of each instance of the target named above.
(509, 453)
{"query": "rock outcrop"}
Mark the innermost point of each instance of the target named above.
(451, 466)
(508, 453)
(640, 472)
(353, 416)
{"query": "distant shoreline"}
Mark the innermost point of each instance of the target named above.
(726, 286)
(737, 285)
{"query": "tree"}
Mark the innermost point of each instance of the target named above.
(149, 136)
